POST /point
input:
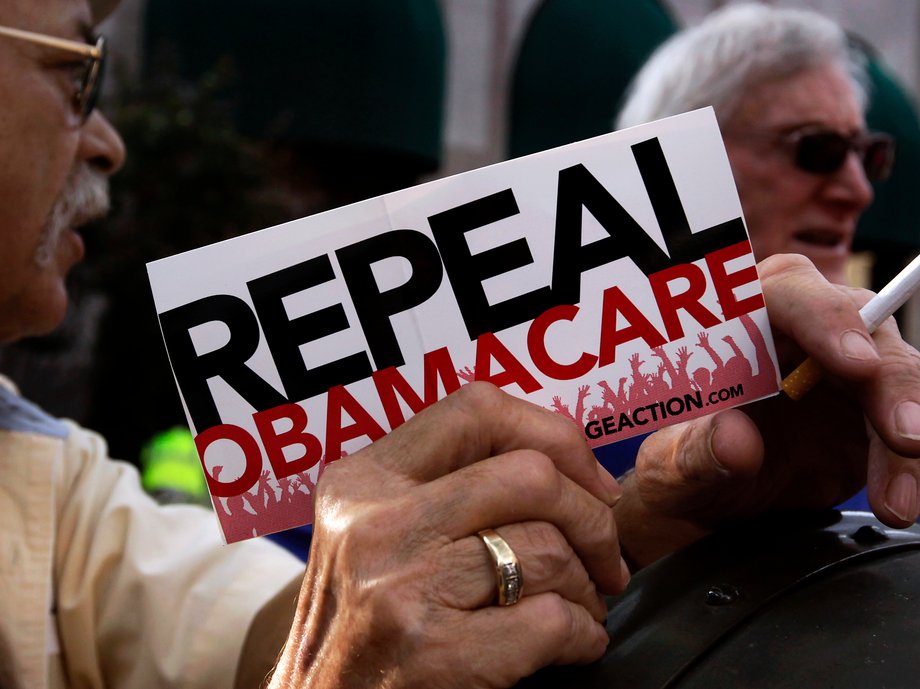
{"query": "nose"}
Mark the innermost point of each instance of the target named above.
(850, 184)
(100, 144)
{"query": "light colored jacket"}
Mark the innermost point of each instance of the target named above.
(102, 587)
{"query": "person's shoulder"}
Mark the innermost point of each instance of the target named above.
(20, 415)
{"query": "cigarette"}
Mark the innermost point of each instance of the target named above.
(881, 306)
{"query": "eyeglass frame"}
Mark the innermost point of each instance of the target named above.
(95, 54)
(859, 142)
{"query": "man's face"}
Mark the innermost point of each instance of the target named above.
(52, 166)
(789, 210)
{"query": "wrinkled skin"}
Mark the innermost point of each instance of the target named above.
(399, 589)
(788, 210)
(861, 422)
(43, 147)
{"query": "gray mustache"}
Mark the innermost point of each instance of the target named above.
(85, 197)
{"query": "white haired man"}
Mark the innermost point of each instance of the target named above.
(789, 92)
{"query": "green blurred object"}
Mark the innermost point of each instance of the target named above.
(171, 469)
(576, 60)
(318, 74)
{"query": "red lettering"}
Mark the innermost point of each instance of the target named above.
(725, 283)
(536, 345)
(251, 452)
(489, 347)
(438, 366)
(615, 302)
(689, 300)
(275, 442)
(340, 400)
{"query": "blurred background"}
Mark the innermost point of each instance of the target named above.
(242, 114)
(484, 38)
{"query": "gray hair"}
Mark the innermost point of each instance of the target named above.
(731, 50)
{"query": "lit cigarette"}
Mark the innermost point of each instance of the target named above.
(886, 302)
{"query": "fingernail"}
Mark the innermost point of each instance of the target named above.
(901, 497)
(624, 572)
(601, 608)
(857, 345)
(715, 447)
(614, 491)
(603, 637)
(907, 420)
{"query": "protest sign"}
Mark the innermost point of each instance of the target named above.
(610, 280)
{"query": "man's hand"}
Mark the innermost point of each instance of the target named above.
(400, 590)
(862, 422)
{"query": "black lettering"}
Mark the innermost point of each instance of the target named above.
(593, 430)
(683, 245)
(578, 189)
(285, 335)
(675, 406)
(638, 418)
(374, 307)
(609, 423)
(694, 400)
(467, 272)
(228, 362)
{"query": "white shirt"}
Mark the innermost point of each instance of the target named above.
(102, 587)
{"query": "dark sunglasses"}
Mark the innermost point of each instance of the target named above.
(824, 151)
(90, 78)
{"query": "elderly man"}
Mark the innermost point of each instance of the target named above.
(789, 95)
(101, 587)
(98, 587)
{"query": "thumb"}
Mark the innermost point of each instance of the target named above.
(686, 470)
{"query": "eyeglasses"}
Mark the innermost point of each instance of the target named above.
(87, 86)
(824, 151)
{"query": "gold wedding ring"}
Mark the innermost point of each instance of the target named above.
(508, 575)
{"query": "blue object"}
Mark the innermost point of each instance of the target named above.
(620, 457)
(296, 541)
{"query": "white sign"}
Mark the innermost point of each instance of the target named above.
(610, 280)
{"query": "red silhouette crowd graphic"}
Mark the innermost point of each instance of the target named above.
(273, 504)
(674, 377)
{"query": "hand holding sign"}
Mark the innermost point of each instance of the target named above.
(396, 564)
(547, 276)
(779, 454)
